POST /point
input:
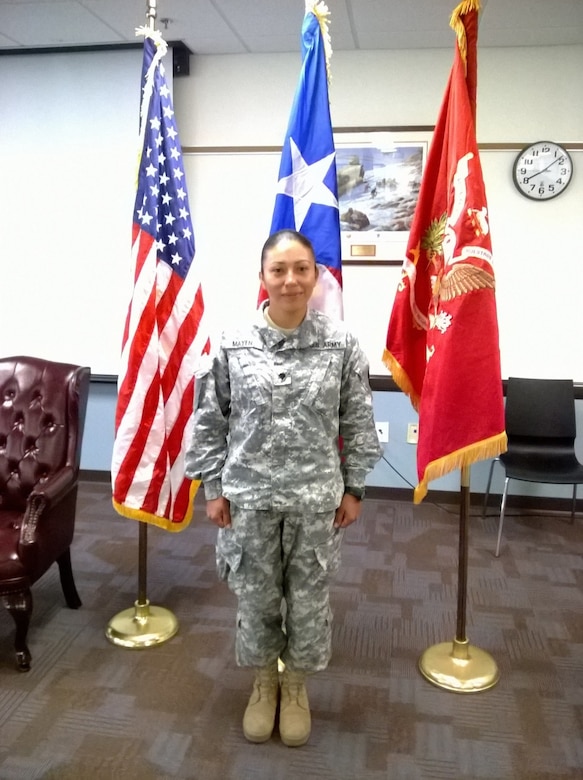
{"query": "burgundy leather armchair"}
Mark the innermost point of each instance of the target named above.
(42, 414)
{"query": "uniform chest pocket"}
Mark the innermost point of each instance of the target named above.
(245, 375)
(323, 388)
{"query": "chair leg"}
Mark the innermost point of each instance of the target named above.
(487, 493)
(20, 607)
(502, 510)
(67, 582)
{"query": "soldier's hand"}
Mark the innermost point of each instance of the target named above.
(348, 511)
(218, 512)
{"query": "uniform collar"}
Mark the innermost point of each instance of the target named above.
(305, 335)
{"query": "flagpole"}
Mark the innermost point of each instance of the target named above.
(151, 12)
(142, 625)
(459, 666)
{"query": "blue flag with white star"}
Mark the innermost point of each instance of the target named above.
(307, 192)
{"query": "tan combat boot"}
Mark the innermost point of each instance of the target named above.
(259, 717)
(295, 722)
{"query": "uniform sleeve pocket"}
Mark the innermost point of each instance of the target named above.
(228, 553)
(328, 552)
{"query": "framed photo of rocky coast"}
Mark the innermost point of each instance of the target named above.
(379, 174)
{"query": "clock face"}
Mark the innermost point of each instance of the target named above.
(542, 170)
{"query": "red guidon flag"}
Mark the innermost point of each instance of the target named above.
(442, 341)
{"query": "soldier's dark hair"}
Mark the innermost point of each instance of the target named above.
(286, 235)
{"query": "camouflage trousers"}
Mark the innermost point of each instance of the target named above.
(280, 565)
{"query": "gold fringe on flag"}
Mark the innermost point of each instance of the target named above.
(481, 450)
(161, 522)
(322, 14)
(458, 27)
(401, 378)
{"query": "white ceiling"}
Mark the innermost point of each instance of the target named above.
(255, 26)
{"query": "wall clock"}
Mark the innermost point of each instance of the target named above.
(542, 170)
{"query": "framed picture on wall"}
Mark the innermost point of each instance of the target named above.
(379, 174)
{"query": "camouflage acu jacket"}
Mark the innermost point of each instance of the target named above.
(269, 411)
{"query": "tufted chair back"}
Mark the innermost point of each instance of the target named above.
(42, 414)
(40, 419)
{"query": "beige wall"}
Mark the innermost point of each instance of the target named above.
(524, 95)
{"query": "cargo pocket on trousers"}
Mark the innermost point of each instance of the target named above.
(228, 553)
(328, 552)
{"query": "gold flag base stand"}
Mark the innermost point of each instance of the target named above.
(459, 667)
(142, 626)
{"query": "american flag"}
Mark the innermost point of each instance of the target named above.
(307, 192)
(163, 334)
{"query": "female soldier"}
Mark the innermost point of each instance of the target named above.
(283, 439)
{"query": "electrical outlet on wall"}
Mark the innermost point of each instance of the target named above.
(382, 431)
(412, 433)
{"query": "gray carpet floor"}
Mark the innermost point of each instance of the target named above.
(90, 709)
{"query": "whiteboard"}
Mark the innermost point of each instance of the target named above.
(68, 155)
